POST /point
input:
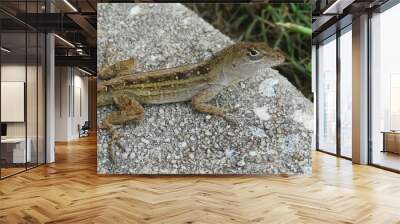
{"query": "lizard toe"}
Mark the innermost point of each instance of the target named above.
(231, 119)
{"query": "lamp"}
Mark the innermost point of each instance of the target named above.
(64, 40)
(5, 50)
(84, 71)
(70, 5)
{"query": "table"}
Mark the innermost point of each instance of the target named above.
(15, 148)
(391, 141)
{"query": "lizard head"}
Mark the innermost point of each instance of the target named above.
(245, 59)
(257, 54)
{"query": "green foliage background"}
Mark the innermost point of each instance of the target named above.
(283, 26)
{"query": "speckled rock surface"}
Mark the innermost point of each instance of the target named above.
(275, 120)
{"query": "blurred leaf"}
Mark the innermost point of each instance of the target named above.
(297, 28)
(309, 68)
(283, 26)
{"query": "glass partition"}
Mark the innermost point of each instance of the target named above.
(31, 97)
(346, 93)
(385, 89)
(41, 96)
(22, 93)
(327, 95)
(13, 94)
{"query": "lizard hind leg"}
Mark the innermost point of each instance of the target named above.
(112, 130)
(130, 110)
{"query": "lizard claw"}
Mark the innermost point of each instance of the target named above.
(103, 126)
(231, 119)
(232, 109)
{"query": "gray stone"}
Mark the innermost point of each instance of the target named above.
(274, 129)
(252, 153)
(191, 156)
(145, 141)
(182, 145)
(241, 163)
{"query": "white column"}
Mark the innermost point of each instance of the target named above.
(50, 92)
(62, 103)
(314, 91)
(360, 90)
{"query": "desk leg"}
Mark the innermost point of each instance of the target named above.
(384, 142)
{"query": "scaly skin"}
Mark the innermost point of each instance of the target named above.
(197, 83)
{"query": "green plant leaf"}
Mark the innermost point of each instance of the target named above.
(296, 28)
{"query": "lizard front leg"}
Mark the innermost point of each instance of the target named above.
(120, 68)
(130, 110)
(200, 103)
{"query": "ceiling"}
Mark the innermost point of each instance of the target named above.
(332, 15)
(74, 22)
(16, 42)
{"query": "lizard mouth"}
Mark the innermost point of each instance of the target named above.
(254, 62)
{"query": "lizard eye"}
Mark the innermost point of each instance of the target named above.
(253, 54)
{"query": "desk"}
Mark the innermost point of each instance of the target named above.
(15, 148)
(391, 141)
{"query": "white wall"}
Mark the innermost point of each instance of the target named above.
(12, 73)
(62, 81)
(70, 83)
(79, 112)
(33, 126)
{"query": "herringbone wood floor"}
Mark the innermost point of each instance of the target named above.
(70, 191)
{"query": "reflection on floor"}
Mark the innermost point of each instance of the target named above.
(70, 191)
(387, 159)
(10, 169)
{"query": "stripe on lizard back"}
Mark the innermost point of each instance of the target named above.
(200, 69)
(160, 79)
(226, 67)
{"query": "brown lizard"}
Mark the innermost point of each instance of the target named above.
(197, 83)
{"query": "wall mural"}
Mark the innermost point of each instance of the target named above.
(176, 96)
